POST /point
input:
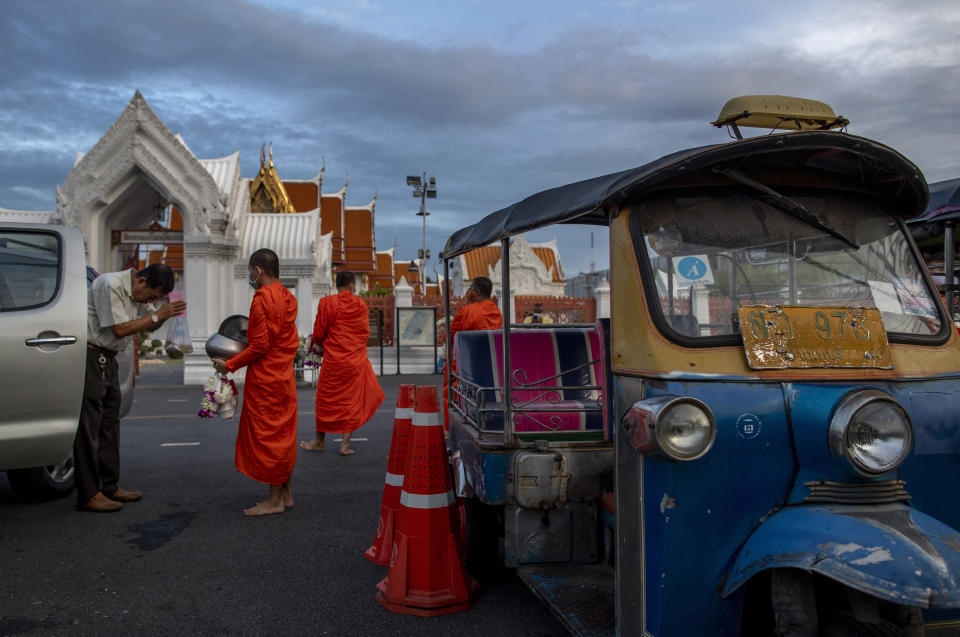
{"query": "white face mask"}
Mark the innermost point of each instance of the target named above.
(253, 282)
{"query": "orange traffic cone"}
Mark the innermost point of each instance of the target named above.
(379, 552)
(426, 575)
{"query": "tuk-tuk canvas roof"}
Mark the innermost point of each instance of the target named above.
(944, 201)
(584, 202)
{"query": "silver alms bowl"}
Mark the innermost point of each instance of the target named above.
(220, 346)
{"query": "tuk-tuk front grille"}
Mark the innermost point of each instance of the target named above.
(883, 492)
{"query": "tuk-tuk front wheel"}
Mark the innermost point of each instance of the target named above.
(796, 603)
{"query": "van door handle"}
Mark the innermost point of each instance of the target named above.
(50, 340)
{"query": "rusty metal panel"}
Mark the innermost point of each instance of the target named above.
(791, 337)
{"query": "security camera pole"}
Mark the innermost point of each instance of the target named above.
(425, 190)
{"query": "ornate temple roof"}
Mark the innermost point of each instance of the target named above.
(267, 193)
(480, 261)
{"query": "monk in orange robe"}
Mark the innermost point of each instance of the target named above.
(267, 438)
(348, 393)
(480, 313)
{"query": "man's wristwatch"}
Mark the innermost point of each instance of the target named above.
(154, 318)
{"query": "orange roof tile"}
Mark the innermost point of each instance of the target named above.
(331, 220)
(479, 261)
(549, 258)
(359, 246)
(402, 269)
(303, 194)
(383, 276)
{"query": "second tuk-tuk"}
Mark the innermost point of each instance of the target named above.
(775, 390)
(936, 236)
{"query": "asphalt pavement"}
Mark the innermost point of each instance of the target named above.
(184, 560)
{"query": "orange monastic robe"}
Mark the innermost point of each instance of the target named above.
(267, 439)
(348, 393)
(484, 315)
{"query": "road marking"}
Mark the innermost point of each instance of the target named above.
(180, 444)
(176, 400)
(351, 440)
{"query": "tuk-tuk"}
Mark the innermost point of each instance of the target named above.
(936, 236)
(775, 391)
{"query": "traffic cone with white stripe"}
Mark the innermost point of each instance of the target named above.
(427, 576)
(379, 551)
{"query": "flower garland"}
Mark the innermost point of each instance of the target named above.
(219, 397)
(314, 357)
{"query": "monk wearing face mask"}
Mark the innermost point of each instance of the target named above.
(267, 437)
(348, 393)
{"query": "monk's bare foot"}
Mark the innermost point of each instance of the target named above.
(346, 451)
(287, 498)
(312, 445)
(264, 508)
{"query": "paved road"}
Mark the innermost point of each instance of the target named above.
(184, 560)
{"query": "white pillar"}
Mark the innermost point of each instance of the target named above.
(305, 308)
(700, 304)
(602, 294)
(402, 297)
(197, 285)
(512, 312)
(403, 293)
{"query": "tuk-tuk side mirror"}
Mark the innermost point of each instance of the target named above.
(669, 427)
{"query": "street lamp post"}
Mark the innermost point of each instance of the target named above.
(425, 189)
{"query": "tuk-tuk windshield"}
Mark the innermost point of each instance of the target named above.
(709, 254)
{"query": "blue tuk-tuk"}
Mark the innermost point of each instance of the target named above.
(774, 393)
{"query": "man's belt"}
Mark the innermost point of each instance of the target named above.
(109, 353)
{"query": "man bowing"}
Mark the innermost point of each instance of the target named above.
(267, 439)
(348, 393)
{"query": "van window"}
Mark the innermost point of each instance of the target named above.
(707, 255)
(29, 268)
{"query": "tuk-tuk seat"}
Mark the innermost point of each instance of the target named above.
(543, 358)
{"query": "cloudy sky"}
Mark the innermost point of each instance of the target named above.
(496, 99)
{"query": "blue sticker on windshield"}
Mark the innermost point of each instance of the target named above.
(693, 270)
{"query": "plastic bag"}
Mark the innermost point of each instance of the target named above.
(178, 337)
(227, 398)
(219, 397)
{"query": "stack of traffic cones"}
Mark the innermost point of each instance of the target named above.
(379, 552)
(427, 576)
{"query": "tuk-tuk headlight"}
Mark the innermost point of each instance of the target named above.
(872, 431)
(675, 427)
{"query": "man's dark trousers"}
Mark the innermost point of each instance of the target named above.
(96, 449)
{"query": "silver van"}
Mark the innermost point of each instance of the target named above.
(43, 345)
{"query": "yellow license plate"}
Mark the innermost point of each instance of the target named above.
(781, 337)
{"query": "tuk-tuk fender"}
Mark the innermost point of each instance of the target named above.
(890, 551)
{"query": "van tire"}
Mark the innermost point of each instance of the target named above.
(43, 483)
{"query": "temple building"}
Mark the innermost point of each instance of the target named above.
(535, 269)
(140, 195)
